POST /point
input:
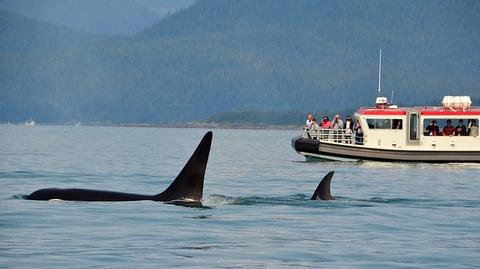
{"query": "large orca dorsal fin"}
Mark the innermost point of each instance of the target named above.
(323, 190)
(189, 183)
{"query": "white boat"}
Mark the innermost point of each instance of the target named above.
(30, 122)
(389, 133)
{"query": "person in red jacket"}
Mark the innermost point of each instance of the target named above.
(326, 123)
(449, 129)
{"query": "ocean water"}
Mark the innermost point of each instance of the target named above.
(256, 215)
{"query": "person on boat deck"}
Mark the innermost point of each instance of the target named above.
(473, 128)
(308, 122)
(337, 125)
(348, 126)
(326, 123)
(432, 128)
(358, 134)
(460, 129)
(449, 129)
(314, 127)
(337, 122)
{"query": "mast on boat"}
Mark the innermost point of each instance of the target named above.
(382, 101)
(379, 73)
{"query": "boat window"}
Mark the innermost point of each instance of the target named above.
(379, 123)
(385, 124)
(397, 124)
(460, 126)
(413, 126)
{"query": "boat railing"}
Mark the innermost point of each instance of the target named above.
(341, 136)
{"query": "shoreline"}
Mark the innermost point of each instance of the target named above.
(173, 125)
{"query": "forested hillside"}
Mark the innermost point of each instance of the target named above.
(270, 57)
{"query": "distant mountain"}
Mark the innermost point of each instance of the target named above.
(23, 35)
(165, 7)
(110, 17)
(263, 57)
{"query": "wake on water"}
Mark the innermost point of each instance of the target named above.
(300, 200)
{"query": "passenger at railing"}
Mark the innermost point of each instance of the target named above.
(348, 126)
(337, 126)
(326, 123)
(449, 130)
(308, 122)
(337, 122)
(306, 127)
(358, 134)
(460, 130)
(432, 128)
(473, 128)
(314, 127)
(325, 126)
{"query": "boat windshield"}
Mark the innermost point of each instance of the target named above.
(384, 124)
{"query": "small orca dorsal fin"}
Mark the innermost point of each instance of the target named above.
(323, 190)
(188, 185)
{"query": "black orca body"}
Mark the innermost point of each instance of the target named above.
(187, 186)
(323, 189)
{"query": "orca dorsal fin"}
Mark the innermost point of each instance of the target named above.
(323, 190)
(188, 185)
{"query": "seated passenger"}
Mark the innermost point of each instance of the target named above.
(460, 129)
(432, 128)
(449, 129)
(473, 129)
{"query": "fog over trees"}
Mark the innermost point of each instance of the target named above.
(232, 60)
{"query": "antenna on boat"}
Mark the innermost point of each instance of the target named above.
(379, 73)
(393, 92)
(381, 101)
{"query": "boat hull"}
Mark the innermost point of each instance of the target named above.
(342, 152)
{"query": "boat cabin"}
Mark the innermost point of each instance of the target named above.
(399, 128)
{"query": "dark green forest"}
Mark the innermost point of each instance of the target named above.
(241, 61)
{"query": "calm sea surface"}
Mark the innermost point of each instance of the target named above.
(257, 215)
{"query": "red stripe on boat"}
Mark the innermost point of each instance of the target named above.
(450, 113)
(379, 112)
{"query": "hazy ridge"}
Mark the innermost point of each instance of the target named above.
(259, 57)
